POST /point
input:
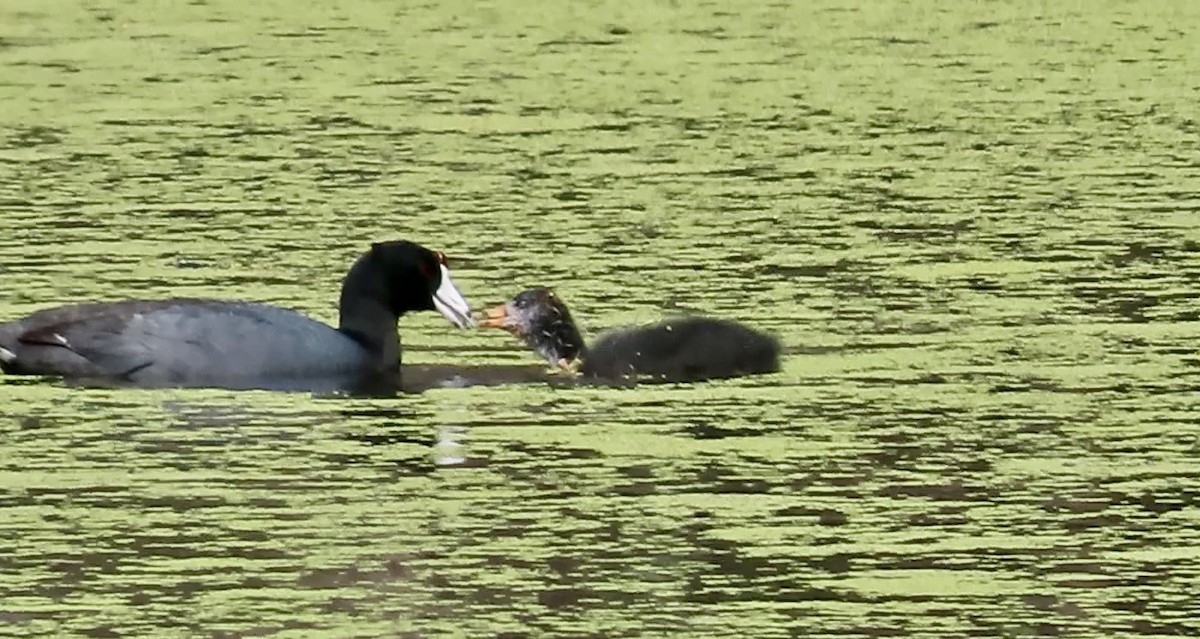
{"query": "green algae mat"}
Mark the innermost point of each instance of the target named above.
(974, 225)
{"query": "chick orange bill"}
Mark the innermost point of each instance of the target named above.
(495, 317)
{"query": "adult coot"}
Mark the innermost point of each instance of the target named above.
(241, 345)
(679, 349)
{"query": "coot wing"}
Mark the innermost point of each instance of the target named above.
(32, 345)
(187, 343)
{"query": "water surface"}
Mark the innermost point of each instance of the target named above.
(974, 226)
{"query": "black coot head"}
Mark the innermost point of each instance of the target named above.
(406, 276)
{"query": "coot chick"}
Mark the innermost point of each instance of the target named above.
(679, 349)
(241, 345)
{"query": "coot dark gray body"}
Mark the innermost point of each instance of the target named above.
(241, 345)
(679, 349)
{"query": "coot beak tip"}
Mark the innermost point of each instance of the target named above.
(449, 301)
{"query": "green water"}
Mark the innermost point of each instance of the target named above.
(975, 226)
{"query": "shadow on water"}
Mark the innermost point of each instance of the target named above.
(415, 379)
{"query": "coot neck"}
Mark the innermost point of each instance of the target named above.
(561, 341)
(374, 327)
(366, 318)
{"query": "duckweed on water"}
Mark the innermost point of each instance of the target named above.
(973, 227)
